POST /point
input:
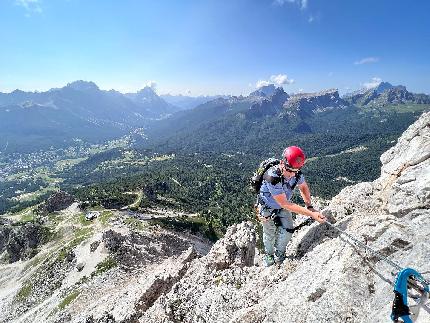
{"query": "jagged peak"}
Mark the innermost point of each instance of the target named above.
(81, 85)
(266, 90)
(146, 90)
(332, 91)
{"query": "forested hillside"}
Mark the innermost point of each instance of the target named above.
(206, 167)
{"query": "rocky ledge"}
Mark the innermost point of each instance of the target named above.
(325, 279)
(157, 276)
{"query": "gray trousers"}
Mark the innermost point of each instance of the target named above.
(276, 238)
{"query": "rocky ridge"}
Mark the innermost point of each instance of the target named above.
(114, 274)
(268, 105)
(325, 279)
(305, 104)
(386, 94)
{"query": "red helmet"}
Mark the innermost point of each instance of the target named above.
(294, 157)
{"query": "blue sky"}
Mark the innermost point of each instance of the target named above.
(214, 47)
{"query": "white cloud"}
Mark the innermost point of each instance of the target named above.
(281, 79)
(30, 6)
(367, 60)
(151, 84)
(311, 19)
(373, 83)
(278, 80)
(303, 4)
(282, 2)
(262, 83)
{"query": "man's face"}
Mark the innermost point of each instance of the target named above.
(288, 173)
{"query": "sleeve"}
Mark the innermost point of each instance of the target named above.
(301, 179)
(277, 188)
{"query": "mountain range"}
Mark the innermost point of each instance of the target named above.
(185, 102)
(120, 266)
(384, 94)
(36, 120)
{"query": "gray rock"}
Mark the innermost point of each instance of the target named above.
(56, 202)
(326, 279)
(80, 266)
(306, 104)
(405, 179)
(236, 249)
(22, 241)
(94, 245)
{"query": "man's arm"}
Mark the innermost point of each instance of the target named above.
(281, 199)
(305, 192)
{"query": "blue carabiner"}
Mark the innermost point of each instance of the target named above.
(400, 307)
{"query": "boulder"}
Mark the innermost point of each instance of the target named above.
(57, 201)
(237, 248)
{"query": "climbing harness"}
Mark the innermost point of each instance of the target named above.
(407, 278)
(274, 215)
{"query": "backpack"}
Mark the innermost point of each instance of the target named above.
(257, 179)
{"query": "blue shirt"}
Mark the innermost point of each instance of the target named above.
(267, 190)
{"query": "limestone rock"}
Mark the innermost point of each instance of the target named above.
(237, 248)
(309, 103)
(22, 241)
(57, 201)
(325, 278)
(405, 175)
(80, 266)
(94, 245)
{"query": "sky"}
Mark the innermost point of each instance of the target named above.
(215, 46)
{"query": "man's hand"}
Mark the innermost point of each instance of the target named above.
(319, 217)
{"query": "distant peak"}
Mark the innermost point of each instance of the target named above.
(331, 92)
(17, 91)
(269, 87)
(266, 90)
(381, 87)
(146, 89)
(83, 86)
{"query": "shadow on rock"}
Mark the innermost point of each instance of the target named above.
(315, 235)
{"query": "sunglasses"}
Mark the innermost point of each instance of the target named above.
(288, 168)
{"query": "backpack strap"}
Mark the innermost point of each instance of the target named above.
(273, 179)
(297, 177)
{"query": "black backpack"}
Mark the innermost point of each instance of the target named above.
(257, 179)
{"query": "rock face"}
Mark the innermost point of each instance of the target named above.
(270, 105)
(151, 103)
(385, 94)
(58, 201)
(264, 91)
(136, 250)
(156, 276)
(324, 279)
(237, 249)
(405, 174)
(22, 241)
(308, 103)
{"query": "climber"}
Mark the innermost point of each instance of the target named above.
(274, 206)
